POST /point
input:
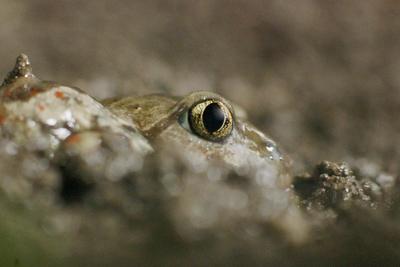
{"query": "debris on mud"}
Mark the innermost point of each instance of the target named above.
(336, 186)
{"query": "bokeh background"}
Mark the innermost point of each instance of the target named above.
(321, 77)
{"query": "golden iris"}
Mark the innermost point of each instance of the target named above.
(211, 119)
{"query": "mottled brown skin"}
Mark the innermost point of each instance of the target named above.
(160, 118)
(163, 120)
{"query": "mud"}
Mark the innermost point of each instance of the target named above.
(321, 77)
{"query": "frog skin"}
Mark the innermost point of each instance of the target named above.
(49, 118)
(221, 166)
(164, 120)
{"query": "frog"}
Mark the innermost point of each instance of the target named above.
(209, 135)
(195, 161)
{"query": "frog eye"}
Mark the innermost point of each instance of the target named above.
(210, 119)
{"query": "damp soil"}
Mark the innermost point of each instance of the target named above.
(320, 77)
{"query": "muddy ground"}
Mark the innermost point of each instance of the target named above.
(320, 77)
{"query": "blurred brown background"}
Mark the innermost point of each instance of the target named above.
(321, 77)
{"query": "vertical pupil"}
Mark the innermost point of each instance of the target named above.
(213, 117)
